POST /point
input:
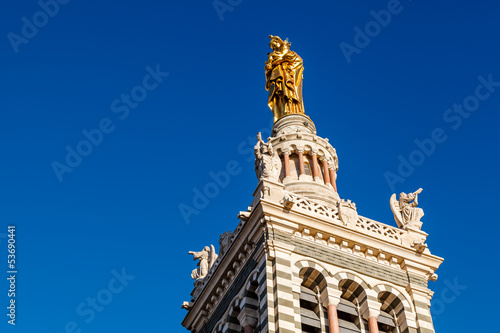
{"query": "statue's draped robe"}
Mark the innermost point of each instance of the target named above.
(202, 271)
(284, 83)
(409, 211)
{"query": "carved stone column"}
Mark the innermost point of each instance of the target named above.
(331, 302)
(372, 314)
(372, 325)
(315, 165)
(286, 161)
(333, 319)
(326, 172)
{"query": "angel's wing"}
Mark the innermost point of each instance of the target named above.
(212, 256)
(396, 210)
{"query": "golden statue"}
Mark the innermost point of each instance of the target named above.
(284, 70)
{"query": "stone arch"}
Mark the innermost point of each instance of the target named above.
(250, 299)
(321, 153)
(349, 276)
(293, 148)
(386, 289)
(231, 323)
(308, 148)
(354, 290)
(355, 299)
(247, 300)
(312, 273)
(252, 281)
(312, 291)
(219, 327)
(395, 304)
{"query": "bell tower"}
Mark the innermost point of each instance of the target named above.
(301, 259)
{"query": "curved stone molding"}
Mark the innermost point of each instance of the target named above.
(379, 288)
(337, 278)
(292, 124)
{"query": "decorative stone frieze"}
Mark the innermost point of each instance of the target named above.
(358, 250)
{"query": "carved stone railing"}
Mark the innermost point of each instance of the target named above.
(381, 229)
(314, 207)
(363, 224)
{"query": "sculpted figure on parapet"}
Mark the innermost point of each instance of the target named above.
(405, 210)
(284, 70)
(267, 163)
(206, 258)
(224, 242)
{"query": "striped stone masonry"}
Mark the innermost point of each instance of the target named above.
(301, 259)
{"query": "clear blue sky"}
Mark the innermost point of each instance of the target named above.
(118, 208)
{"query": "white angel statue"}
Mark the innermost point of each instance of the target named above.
(206, 259)
(406, 213)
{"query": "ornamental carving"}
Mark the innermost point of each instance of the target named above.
(206, 259)
(267, 161)
(406, 213)
(347, 212)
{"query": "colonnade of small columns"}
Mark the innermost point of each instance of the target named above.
(328, 170)
(371, 313)
(248, 319)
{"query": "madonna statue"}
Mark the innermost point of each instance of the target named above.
(284, 70)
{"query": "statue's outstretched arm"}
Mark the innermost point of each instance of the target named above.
(196, 255)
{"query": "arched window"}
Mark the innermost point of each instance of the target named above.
(294, 166)
(313, 315)
(233, 324)
(348, 310)
(392, 317)
(310, 309)
(321, 171)
(282, 173)
(307, 165)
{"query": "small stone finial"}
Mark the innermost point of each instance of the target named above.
(406, 213)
